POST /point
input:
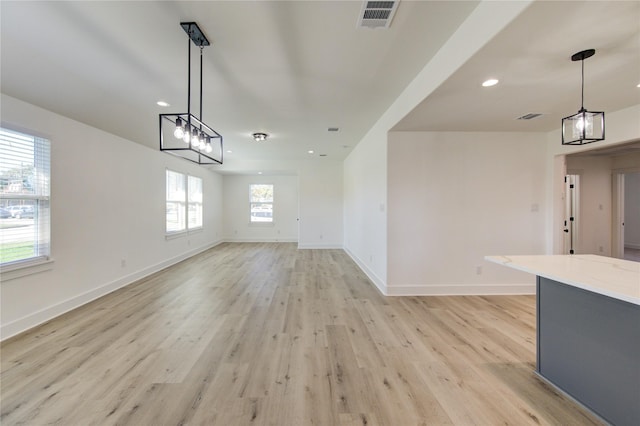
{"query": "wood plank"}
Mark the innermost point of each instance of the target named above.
(266, 334)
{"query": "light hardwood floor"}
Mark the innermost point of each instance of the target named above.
(632, 254)
(265, 334)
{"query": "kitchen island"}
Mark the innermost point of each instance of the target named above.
(588, 329)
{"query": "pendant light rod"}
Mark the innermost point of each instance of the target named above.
(200, 82)
(199, 39)
(203, 144)
(189, 83)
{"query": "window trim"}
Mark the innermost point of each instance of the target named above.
(22, 268)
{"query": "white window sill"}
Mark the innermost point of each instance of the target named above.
(174, 235)
(23, 269)
(178, 234)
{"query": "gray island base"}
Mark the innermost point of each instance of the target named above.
(588, 331)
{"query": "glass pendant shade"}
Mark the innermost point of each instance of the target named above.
(583, 127)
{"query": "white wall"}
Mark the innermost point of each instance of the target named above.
(365, 201)
(237, 226)
(632, 210)
(312, 192)
(321, 204)
(107, 205)
(457, 197)
(365, 169)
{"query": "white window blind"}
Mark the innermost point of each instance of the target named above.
(184, 202)
(261, 202)
(176, 202)
(194, 184)
(24, 198)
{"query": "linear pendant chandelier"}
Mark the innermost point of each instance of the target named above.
(183, 134)
(584, 126)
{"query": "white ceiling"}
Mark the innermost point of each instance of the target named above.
(294, 68)
(532, 60)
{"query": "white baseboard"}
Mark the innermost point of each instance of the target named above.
(260, 240)
(37, 318)
(442, 290)
(631, 245)
(377, 281)
(461, 290)
(325, 246)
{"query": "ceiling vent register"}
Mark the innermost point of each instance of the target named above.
(529, 116)
(377, 14)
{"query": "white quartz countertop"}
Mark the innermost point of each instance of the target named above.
(608, 276)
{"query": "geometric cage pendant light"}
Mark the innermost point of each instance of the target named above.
(584, 126)
(183, 134)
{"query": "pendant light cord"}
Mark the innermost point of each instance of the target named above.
(582, 92)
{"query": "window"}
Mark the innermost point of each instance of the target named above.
(24, 198)
(176, 202)
(195, 202)
(184, 202)
(261, 202)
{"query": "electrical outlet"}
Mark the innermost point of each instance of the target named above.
(478, 270)
(123, 263)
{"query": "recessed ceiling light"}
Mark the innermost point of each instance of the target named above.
(490, 82)
(229, 151)
(638, 85)
(163, 104)
(310, 151)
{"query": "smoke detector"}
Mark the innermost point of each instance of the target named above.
(377, 14)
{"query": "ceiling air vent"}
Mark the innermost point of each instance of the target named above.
(529, 116)
(377, 14)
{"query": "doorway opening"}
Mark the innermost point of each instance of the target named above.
(629, 224)
(601, 206)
